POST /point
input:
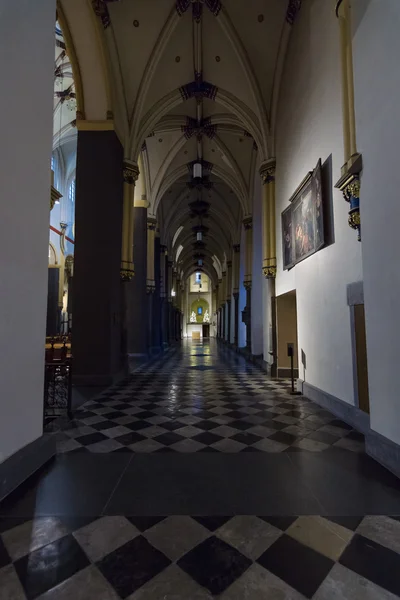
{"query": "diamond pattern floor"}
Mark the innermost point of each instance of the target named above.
(203, 398)
(199, 558)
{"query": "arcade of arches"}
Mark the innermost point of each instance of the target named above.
(223, 192)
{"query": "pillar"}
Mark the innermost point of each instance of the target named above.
(236, 283)
(96, 335)
(131, 174)
(151, 284)
(135, 289)
(169, 301)
(163, 295)
(349, 182)
(229, 299)
(267, 172)
(248, 226)
(24, 223)
(223, 305)
(155, 345)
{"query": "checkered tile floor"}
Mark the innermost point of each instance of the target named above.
(198, 558)
(202, 398)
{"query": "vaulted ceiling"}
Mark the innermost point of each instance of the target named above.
(186, 81)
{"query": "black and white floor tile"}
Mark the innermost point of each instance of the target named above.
(204, 399)
(199, 558)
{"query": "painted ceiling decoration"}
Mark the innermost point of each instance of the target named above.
(197, 6)
(187, 81)
(292, 10)
(198, 89)
(101, 10)
(203, 127)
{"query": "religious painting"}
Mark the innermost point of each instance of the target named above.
(302, 221)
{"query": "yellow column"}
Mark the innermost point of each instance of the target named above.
(343, 12)
(131, 173)
(151, 233)
(267, 173)
(248, 226)
(349, 182)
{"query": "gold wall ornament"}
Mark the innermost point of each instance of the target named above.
(269, 272)
(349, 184)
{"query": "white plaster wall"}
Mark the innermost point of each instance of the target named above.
(376, 51)
(24, 225)
(310, 127)
(257, 274)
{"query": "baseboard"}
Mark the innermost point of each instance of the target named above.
(384, 451)
(24, 463)
(346, 412)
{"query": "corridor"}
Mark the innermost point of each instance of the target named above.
(198, 478)
(203, 398)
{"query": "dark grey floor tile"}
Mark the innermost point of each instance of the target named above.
(374, 562)
(77, 484)
(4, 557)
(214, 564)
(348, 522)
(347, 483)
(132, 565)
(213, 484)
(298, 565)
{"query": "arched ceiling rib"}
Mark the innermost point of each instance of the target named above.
(195, 81)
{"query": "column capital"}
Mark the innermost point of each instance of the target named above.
(248, 222)
(269, 272)
(236, 248)
(163, 249)
(130, 172)
(223, 273)
(267, 170)
(151, 223)
(229, 264)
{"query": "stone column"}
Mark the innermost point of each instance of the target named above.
(150, 281)
(96, 338)
(248, 225)
(135, 290)
(169, 297)
(131, 174)
(267, 172)
(350, 180)
(236, 283)
(155, 347)
(223, 305)
(163, 295)
(229, 299)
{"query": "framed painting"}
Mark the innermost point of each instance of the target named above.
(302, 221)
